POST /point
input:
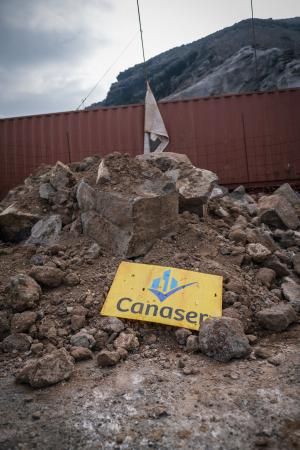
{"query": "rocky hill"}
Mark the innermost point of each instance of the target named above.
(220, 63)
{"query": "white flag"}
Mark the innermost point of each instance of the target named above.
(156, 137)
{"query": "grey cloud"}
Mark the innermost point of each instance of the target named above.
(42, 41)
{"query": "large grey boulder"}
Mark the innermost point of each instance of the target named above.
(277, 318)
(128, 210)
(128, 225)
(23, 292)
(46, 231)
(16, 225)
(50, 369)
(223, 339)
(276, 211)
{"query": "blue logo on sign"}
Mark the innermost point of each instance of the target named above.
(166, 286)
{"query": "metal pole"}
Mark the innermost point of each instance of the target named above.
(254, 43)
(142, 41)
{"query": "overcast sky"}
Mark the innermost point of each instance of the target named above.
(52, 52)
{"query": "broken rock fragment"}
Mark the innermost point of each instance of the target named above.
(81, 353)
(291, 292)
(266, 276)
(21, 322)
(4, 324)
(83, 339)
(276, 211)
(126, 340)
(61, 176)
(48, 276)
(23, 292)
(50, 369)
(46, 231)
(277, 318)
(108, 358)
(111, 324)
(223, 339)
(17, 342)
(258, 252)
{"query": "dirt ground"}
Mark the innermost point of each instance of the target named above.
(161, 396)
(148, 402)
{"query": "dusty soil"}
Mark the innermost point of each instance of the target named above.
(148, 402)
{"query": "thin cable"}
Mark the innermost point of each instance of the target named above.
(254, 43)
(110, 67)
(142, 40)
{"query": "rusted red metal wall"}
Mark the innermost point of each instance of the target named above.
(248, 138)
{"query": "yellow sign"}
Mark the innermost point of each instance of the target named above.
(166, 295)
(177, 297)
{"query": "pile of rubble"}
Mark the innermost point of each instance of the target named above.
(64, 232)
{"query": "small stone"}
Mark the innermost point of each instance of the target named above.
(101, 338)
(296, 263)
(72, 279)
(181, 335)
(229, 298)
(36, 415)
(81, 353)
(276, 360)
(149, 339)
(258, 252)
(238, 235)
(192, 343)
(223, 339)
(18, 342)
(21, 322)
(93, 251)
(111, 324)
(24, 293)
(277, 318)
(48, 276)
(122, 352)
(251, 338)
(50, 369)
(126, 340)
(37, 348)
(261, 352)
(83, 339)
(266, 276)
(37, 260)
(107, 358)
(272, 262)
(77, 322)
(4, 324)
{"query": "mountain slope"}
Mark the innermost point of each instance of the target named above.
(220, 63)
